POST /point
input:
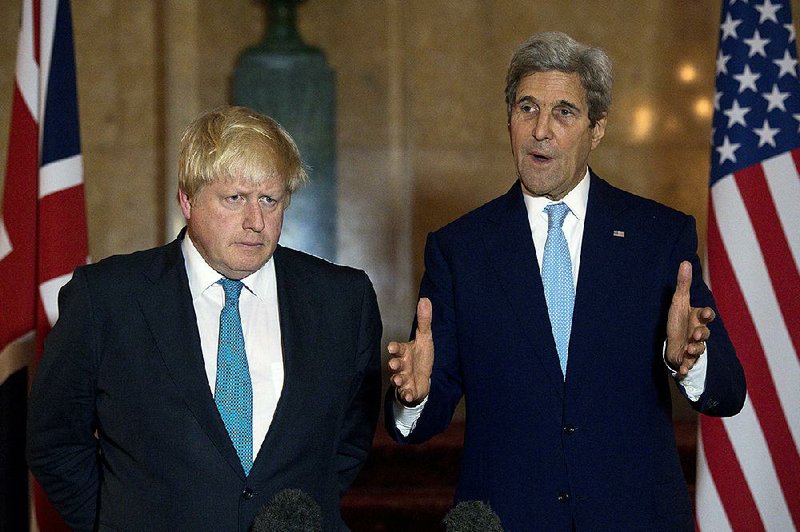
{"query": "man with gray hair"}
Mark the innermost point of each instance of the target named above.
(561, 311)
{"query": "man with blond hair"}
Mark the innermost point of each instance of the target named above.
(183, 386)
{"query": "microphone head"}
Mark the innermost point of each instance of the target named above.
(472, 516)
(289, 510)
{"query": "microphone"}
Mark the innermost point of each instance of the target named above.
(472, 516)
(289, 510)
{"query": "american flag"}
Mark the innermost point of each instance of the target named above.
(43, 224)
(748, 472)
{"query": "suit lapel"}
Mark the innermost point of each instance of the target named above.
(510, 249)
(603, 243)
(299, 345)
(166, 303)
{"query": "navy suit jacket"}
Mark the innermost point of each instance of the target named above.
(123, 430)
(595, 451)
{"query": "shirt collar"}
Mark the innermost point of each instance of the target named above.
(576, 199)
(202, 276)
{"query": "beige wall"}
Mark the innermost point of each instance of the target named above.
(421, 119)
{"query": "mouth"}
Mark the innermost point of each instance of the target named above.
(250, 245)
(539, 157)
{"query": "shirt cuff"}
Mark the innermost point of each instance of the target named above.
(694, 383)
(406, 417)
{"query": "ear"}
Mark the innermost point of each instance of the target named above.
(599, 130)
(185, 203)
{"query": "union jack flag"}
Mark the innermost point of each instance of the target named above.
(748, 472)
(42, 227)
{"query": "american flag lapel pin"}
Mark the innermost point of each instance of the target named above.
(619, 234)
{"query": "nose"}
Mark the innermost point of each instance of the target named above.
(541, 128)
(253, 217)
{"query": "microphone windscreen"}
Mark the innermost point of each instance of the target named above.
(289, 510)
(472, 516)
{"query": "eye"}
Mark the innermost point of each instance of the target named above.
(234, 198)
(268, 200)
(527, 107)
(565, 111)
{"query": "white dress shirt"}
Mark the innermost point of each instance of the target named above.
(258, 307)
(576, 200)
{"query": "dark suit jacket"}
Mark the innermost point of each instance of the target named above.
(597, 450)
(124, 362)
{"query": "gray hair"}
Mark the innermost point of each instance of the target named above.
(549, 51)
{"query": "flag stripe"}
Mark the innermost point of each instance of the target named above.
(60, 174)
(750, 274)
(736, 269)
(27, 70)
(727, 475)
(711, 511)
(17, 287)
(783, 274)
(784, 183)
(58, 231)
(755, 458)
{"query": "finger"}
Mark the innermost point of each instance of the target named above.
(424, 316)
(398, 381)
(695, 349)
(395, 364)
(706, 315)
(396, 349)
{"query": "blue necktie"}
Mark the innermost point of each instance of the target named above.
(234, 391)
(559, 288)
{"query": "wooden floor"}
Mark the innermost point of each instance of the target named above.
(410, 487)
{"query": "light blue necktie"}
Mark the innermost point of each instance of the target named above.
(559, 288)
(234, 391)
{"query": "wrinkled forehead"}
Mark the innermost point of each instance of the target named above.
(553, 85)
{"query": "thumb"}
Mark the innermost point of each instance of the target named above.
(684, 281)
(424, 316)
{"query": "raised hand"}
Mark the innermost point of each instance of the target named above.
(411, 363)
(687, 326)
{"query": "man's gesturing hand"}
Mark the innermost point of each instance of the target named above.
(411, 363)
(687, 326)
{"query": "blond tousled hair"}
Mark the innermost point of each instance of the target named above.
(233, 142)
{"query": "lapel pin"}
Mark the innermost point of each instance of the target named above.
(620, 234)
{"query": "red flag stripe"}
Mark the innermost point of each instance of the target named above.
(17, 291)
(58, 230)
(760, 384)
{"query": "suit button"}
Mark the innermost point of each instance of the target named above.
(569, 429)
(563, 496)
(247, 494)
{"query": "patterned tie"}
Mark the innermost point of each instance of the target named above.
(559, 288)
(233, 390)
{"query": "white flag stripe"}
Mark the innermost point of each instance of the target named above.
(784, 186)
(27, 69)
(739, 239)
(60, 175)
(756, 462)
(48, 292)
(711, 515)
(5, 242)
(47, 22)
